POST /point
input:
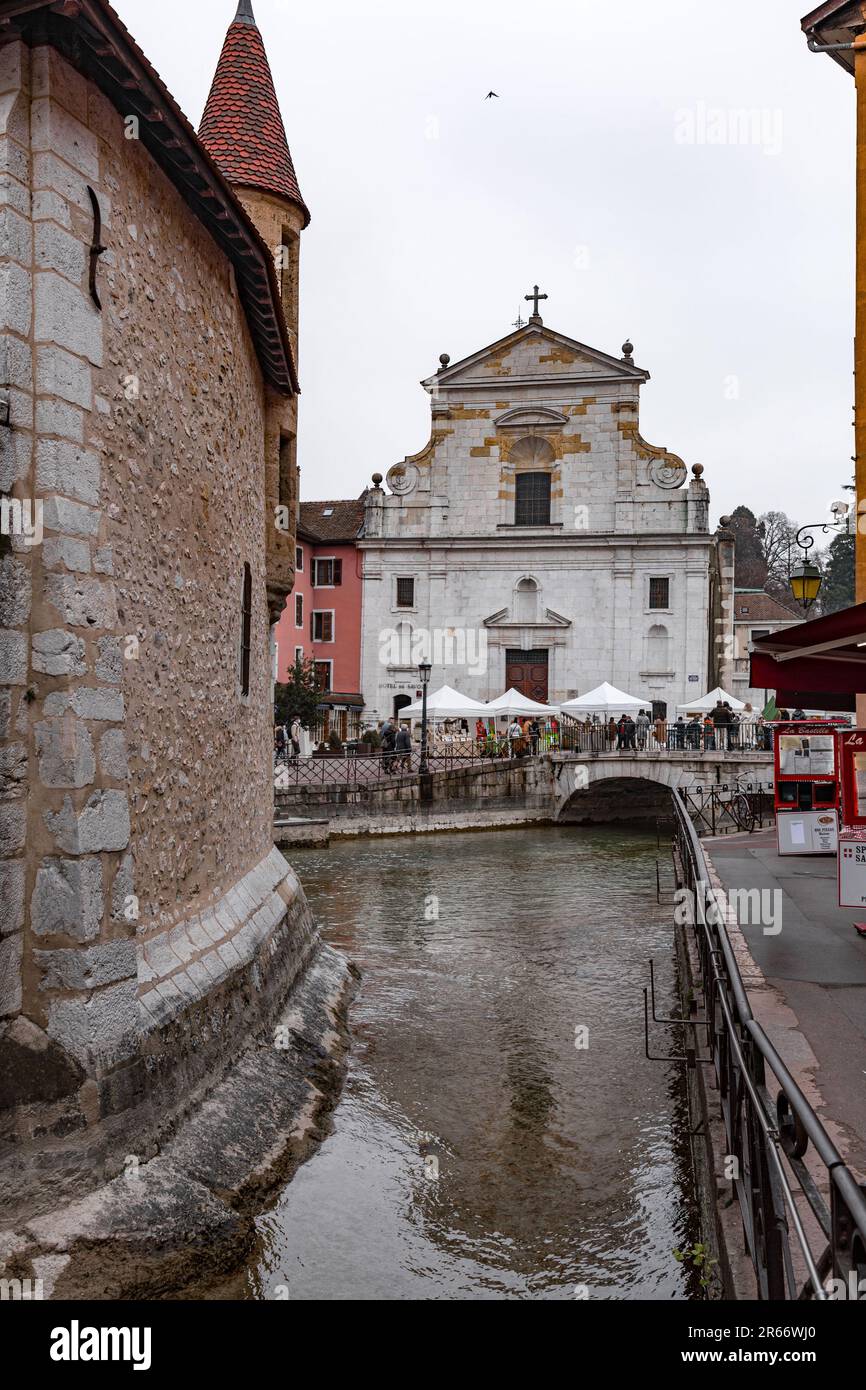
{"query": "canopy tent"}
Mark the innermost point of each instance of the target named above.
(605, 699)
(445, 703)
(514, 705)
(820, 665)
(709, 701)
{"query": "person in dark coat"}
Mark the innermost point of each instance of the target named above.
(403, 749)
(389, 739)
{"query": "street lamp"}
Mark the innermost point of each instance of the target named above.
(424, 671)
(805, 581)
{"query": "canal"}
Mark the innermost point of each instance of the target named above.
(477, 1152)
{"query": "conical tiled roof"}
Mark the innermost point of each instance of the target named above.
(242, 128)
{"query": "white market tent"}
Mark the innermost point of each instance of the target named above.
(514, 705)
(709, 701)
(445, 703)
(605, 699)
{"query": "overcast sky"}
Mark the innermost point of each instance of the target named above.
(599, 173)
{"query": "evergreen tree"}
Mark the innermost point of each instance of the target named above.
(299, 697)
(837, 590)
(751, 566)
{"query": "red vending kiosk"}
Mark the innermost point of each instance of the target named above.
(805, 754)
(852, 831)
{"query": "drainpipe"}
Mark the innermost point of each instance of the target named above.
(815, 47)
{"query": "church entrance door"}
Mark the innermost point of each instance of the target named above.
(528, 673)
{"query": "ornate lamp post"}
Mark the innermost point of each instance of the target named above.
(805, 581)
(424, 671)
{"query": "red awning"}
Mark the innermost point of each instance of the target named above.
(817, 665)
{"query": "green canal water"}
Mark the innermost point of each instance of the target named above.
(477, 1153)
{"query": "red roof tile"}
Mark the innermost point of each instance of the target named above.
(242, 127)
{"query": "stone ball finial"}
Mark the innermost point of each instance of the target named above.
(698, 469)
(445, 360)
(627, 350)
(377, 480)
(725, 520)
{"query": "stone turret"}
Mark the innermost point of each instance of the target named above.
(243, 131)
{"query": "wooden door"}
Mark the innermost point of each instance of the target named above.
(528, 672)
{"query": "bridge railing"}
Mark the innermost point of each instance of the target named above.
(667, 736)
(802, 1209)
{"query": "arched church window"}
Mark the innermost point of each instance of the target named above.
(526, 601)
(532, 499)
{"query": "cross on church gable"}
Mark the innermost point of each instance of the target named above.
(535, 297)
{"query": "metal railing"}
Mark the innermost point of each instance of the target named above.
(668, 736)
(725, 807)
(362, 770)
(803, 1211)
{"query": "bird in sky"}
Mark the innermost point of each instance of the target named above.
(491, 94)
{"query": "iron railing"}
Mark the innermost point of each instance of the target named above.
(364, 770)
(723, 808)
(802, 1209)
(668, 736)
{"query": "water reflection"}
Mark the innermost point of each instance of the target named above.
(556, 1167)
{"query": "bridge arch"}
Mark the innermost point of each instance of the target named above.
(606, 800)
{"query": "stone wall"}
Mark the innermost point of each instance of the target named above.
(147, 927)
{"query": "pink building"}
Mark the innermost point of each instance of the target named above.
(322, 618)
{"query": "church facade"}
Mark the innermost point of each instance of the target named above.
(538, 541)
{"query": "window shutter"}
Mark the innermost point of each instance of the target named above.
(338, 571)
(312, 627)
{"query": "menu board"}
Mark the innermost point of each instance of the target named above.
(809, 755)
(859, 761)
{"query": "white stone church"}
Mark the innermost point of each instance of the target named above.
(538, 541)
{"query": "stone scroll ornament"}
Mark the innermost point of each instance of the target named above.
(668, 472)
(402, 478)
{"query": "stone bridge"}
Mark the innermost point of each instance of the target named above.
(621, 786)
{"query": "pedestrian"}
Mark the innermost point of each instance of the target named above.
(679, 733)
(534, 737)
(630, 732)
(621, 734)
(279, 743)
(515, 736)
(554, 732)
(660, 732)
(611, 731)
(295, 736)
(721, 719)
(403, 749)
(733, 728)
(693, 732)
(389, 740)
(709, 734)
(642, 725)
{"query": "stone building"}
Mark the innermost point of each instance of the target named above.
(322, 621)
(148, 331)
(538, 541)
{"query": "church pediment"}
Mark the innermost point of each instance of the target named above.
(532, 355)
(531, 417)
(505, 619)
